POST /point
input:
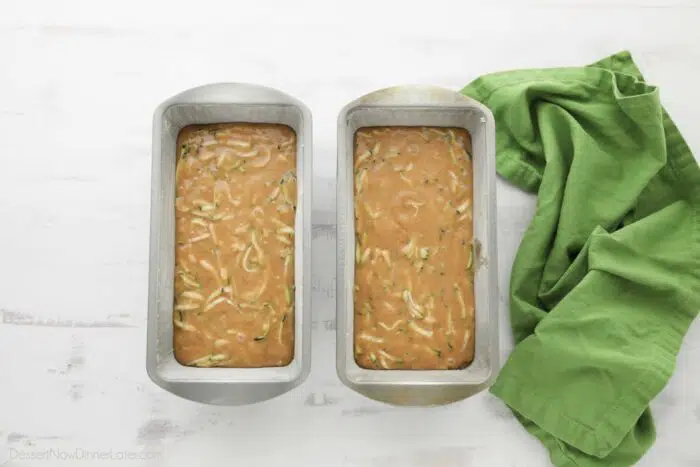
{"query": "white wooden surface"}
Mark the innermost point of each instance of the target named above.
(79, 81)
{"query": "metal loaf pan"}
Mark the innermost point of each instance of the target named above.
(219, 103)
(421, 106)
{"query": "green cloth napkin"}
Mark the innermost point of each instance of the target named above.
(607, 278)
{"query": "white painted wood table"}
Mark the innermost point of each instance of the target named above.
(79, 81)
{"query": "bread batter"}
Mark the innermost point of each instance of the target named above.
(234, 261)
(414, 292)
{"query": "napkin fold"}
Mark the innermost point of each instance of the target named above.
(606, 280)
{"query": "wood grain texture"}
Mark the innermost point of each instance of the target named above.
(79, 83)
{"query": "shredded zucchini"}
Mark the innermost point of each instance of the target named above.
(420, 330)
(184, 326)
(193, 295)
(265, 332)
(465, 341)
(370, 338)
(289, 294)
(392, 327)
(189, 280)
(215, 303)
(415, 309)
(460, 300)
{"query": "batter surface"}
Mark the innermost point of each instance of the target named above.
(414, 295)
(234, 260)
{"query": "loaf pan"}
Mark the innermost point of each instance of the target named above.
(223, 103)
(421, 106)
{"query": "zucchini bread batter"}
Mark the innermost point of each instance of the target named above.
(234, 261)
(414, 292)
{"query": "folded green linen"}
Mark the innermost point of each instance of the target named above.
(607, 278)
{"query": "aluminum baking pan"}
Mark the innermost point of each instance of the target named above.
(218, 103)
(421, 106)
